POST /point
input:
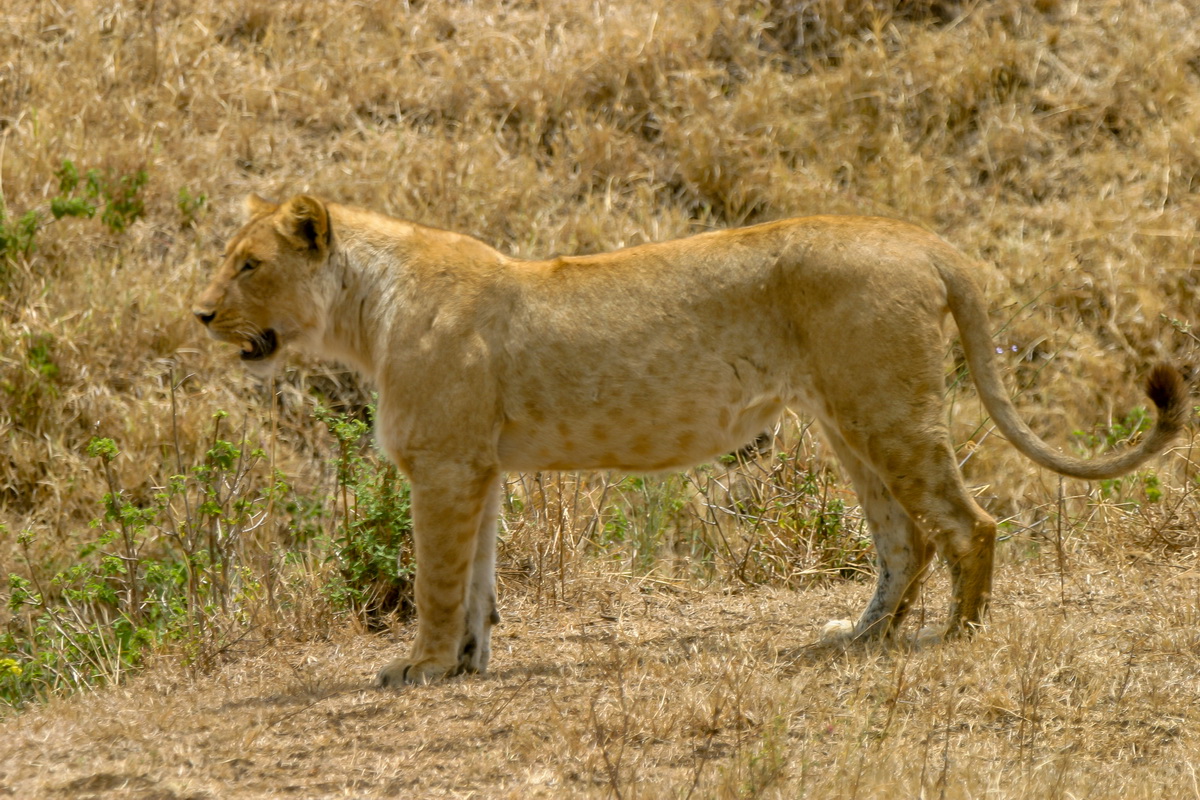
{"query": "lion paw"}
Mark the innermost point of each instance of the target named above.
(402, 672)
(837, 630)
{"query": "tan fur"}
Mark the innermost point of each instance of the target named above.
(651, 358)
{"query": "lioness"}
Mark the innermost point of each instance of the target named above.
(651, 358)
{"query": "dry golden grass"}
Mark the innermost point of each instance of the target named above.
(1059, 142)
(628, 691)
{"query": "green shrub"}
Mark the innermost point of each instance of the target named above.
(171, 570)
(120, 196)
(372, 548)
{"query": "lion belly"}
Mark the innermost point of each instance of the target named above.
(640, 432)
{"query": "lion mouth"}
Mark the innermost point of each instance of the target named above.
(261, 346)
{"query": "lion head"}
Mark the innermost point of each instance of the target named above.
(267, 291)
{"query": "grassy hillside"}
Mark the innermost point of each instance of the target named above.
(1058, 142)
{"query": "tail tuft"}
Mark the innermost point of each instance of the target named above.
(1167, 388)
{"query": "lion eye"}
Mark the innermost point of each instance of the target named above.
(249, 265)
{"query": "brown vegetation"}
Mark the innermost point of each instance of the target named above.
(655, 631)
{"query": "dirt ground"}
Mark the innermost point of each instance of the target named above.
(1084, 686)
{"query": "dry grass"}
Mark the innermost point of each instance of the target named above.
(629, 692)
(1057, 141)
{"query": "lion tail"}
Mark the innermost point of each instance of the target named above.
(1165, 387)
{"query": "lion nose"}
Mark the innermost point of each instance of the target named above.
(205, 317)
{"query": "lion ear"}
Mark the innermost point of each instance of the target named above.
(256, 206)
(304, 220)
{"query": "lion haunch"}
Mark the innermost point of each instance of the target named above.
(650, 358)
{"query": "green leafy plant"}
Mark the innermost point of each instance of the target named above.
(779, 521)
(1136, 421)
(185, 567)
(29, 387)
(118, 197)
(645, 515)
(17, 235)
(190, 206)
(171, 570)
(1144, 484)
(372, 547)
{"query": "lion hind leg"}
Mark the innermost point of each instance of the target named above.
(447, 506)
(970, 554)
(901, 548)
(932, 491)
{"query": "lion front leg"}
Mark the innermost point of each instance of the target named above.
(448, 505)
(482, 616)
